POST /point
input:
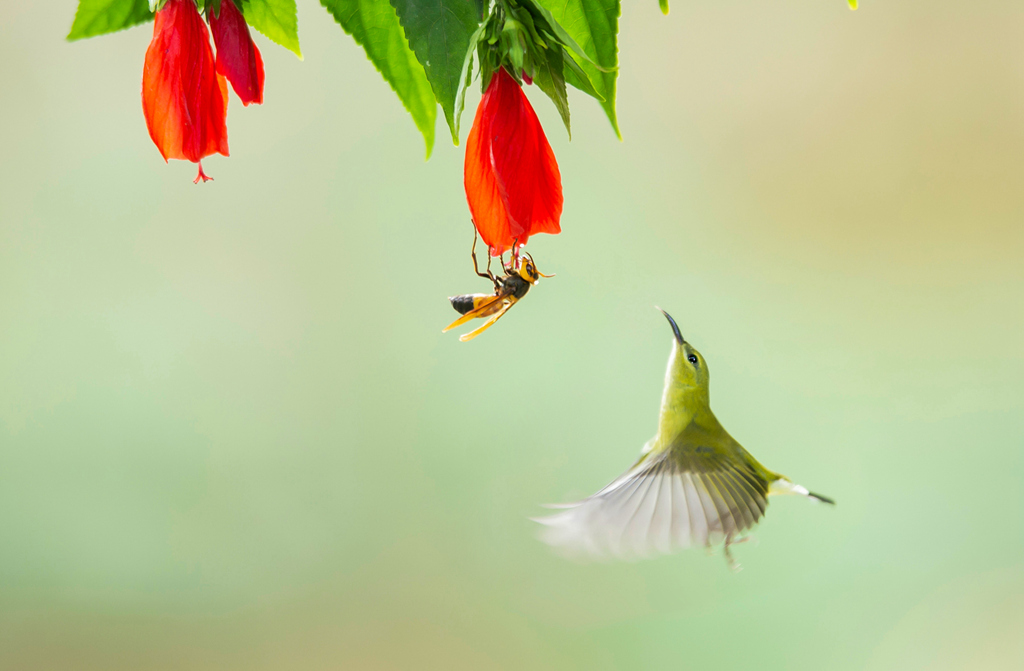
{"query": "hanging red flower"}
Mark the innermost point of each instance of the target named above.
(512, 181)
(183, 98)
(238, 59)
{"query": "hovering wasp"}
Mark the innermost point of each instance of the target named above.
(521, 274)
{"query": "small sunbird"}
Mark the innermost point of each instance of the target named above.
(692, 485)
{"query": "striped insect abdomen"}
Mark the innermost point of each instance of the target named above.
(465, 302)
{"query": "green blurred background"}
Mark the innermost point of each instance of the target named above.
(232, 435)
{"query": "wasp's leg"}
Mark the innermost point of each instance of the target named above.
(497, 285)
(476, 268)
(512, 266)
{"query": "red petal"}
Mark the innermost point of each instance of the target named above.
(482, 191)
(238, 59)
(512, 181)
(183, 98)
(524, 163)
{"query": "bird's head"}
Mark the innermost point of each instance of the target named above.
(686, 367)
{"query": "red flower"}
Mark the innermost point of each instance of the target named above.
(512, 181)
(238, 59)
(185, 101)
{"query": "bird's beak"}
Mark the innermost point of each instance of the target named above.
(675, 327)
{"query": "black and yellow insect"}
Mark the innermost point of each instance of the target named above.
(520, 275)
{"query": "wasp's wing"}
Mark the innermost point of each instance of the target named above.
(479, 311)
(487, 324)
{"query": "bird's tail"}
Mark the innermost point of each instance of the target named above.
(784, 486)
(819, 497)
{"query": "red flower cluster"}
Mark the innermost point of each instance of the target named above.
(184, 96)
(512, 181)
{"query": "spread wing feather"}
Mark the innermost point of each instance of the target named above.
(661, 505)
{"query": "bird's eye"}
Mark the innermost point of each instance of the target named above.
(692, 359)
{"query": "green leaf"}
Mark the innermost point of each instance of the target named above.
(466, 78)
(664, 6)
(575, 75)
(96, 17)
(558, 32)
(276, 19)
(439, 33)
(374, 26)
(550, 80)
(593, 24)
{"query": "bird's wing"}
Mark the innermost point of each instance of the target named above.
(680, 498)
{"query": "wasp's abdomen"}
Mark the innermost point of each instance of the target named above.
(463, 304)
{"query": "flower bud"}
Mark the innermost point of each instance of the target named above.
(238, 59)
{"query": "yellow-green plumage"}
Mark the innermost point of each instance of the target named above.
(692, 485)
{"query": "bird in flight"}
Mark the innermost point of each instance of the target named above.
(692, 485)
